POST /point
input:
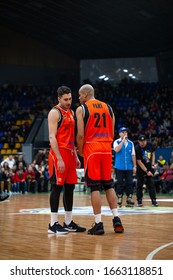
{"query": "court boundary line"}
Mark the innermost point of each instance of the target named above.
(151, 255)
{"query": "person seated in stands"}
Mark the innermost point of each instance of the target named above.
(31, 179)
(21, 181)
(41, 156)
(5, 182)
(14, 186)
(46, 178)
(157, 176)
(40, 165)
(1, 180)
(11, 141)
(167, 180)
(33, 164)
(161, 161)
(40, 178)
(10, 160)
(21, 161)
(6, 177)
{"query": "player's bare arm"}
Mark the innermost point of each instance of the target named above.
(80, 130)
(53, 119)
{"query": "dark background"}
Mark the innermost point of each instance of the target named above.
(42, 42)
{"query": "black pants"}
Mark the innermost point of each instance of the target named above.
(124, 182)
(149, 181)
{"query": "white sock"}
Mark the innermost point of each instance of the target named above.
(53, 218)
(68, 217)
(114, 212)
(98, 218)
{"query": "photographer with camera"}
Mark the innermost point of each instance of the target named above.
(125, 166)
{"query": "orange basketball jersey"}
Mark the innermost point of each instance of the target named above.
(65, 139)
(98, 121)
(66, 129)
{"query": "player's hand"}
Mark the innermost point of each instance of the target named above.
(78, 163)
(149, 173)
(61, 165)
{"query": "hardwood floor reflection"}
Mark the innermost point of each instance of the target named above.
(24, 236)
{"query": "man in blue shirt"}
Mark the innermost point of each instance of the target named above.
(125, 166)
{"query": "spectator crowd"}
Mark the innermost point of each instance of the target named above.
(17, 177)
(145, 108)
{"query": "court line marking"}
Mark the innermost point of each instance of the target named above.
(151, 255)
(87, 210)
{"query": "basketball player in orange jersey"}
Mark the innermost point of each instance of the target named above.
(95, 126)
(63, 161)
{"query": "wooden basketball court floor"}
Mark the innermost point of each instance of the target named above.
(24, 221)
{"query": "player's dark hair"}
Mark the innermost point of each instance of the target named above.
(63, 90)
